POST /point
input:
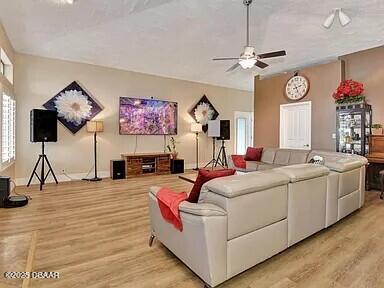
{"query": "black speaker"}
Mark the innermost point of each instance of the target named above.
(117, 169)
(43, 125)
(225, 130)
(5, 187)
(177, 166)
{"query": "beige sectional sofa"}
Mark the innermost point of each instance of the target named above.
(242, 220)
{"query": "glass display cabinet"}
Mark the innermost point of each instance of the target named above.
(353, 128)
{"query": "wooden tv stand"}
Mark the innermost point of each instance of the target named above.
(140, 164)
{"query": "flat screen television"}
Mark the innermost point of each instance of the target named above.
(147, 117)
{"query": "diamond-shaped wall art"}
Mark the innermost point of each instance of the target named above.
(74, 107)
(204, 111)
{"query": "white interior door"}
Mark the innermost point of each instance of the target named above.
(295, 125)
(243, 131)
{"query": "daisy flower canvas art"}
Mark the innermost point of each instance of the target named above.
(74, 107)
(204, 111)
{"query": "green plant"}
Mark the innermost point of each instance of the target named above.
(172, 145)
(351, 99)
(377, 126)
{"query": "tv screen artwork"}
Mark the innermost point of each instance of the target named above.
(147, 117)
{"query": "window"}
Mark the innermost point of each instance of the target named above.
(6, 66)
(8, 147)
(241, 137)
(243, 131)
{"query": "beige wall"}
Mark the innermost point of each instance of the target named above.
(269, 95)
(38, 79)
(7, 87)
(367, 67)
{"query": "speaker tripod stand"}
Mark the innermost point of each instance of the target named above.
(43, 177)
(222, 156)
(213, 162)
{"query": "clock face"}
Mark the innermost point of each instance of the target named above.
(297, 87)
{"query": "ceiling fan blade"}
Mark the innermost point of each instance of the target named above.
(261, 64)
(272, 54)
(226, 58)
(233, 67)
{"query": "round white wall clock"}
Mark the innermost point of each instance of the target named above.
(297, 87)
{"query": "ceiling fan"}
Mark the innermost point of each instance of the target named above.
(248, 58)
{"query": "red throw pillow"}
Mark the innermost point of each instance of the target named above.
(253, 154)
(205, 176)
(238, 161)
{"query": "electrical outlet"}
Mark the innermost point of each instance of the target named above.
(333, 135)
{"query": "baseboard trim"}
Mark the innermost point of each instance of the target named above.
(79, 176)
(62, 178)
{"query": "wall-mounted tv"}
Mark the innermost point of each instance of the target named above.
(147, 117)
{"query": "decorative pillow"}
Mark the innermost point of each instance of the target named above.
(238, 161)
(253, 154)
(205, 176)
(317, 160)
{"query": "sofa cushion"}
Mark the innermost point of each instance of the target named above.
(282, 157)
(268, 155)
(252, 165)
(236, 185)
(253, 154)
(203, 177)
(263, 167)
(252, 211)
(298, 157)
(302, 172)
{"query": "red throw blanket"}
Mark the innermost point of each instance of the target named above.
(169, 202)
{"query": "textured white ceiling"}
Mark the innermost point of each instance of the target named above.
(178, 38)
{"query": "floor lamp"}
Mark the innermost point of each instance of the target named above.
(197, 128)
(95, 127)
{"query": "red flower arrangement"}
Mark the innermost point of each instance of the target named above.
(349, 91)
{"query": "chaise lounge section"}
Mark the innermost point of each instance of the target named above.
(242, 220)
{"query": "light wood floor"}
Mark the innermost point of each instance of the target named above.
(96, 235)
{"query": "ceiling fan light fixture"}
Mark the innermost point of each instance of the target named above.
(249, 59)
(247, 63)
(329, 20)
(344, 18)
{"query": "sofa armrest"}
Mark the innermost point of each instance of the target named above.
(201, 209)
(343, 165)
(202, 245)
